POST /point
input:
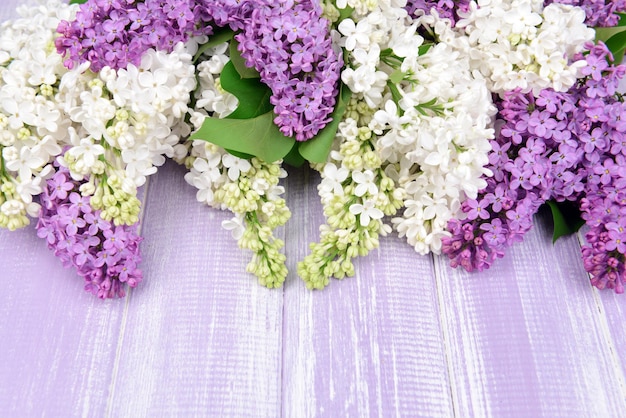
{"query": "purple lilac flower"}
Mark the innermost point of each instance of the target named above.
(561, 146)
(289, 44)
(116, 33)
(444, 8)
(287, 41)
(106, 256)
(598, 12)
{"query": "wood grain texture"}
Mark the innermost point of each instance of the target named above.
(526, 336)
(369, 345)
(406, 337)
(200, 335)
(613, 310)
(57, 343)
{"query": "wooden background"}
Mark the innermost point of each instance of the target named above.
(408, 336)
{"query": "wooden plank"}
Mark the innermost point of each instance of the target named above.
(369, 345)
(57, 343)
(526, 336)
(201, 336)
(7, 11)
(613, 307)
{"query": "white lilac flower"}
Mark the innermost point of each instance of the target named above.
(125, 123)
(521, 44)
(235, 166)
(236, 227)
(356, 34)
(248, 188)
(206, 171)
(365, 183)
(366, 211)
(432, 127)
(332, 179)
(32, 124)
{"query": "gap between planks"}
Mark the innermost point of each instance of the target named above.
(281, 408)
(443, 325)
(604, 328)
(120, 339)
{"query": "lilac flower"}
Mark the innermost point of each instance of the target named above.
(70, 219)
(115, 239)
(80, 202)
(592, 140)
(541, 124)
(115, 33)
(561, 146)
(287, 41)
(444, 8)
(59, 186)
(617, 238)
(598, 12)
(495, 234)
(106, 256)
(477, 209)
(47, 231)
(294, 33)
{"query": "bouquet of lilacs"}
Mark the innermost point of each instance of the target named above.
(448, 122)
(77, 142)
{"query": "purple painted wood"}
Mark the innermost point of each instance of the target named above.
(369, 345)
(57, 343)
(200, 335)
(613, 307)
(526, 337)
(406, 337)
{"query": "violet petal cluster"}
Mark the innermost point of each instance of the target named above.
(288, 42)
(105, 255)
(446, 9)
(534, 158)
(115, 33)
(599, 12)
(561, 146)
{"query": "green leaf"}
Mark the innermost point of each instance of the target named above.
(604, 34)
(316, 149)
(618, 57)
(617, 45)
(614, 38)
(294, 158)
(78, 1)
(345, 13)
(257, 136)
(220, 36)
(253, 96)
(237, 154)
(240, 63)
(396, 76)
(566, 218)
(423, 49)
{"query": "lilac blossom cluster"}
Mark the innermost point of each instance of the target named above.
(115, 33)
(287, 41)
(289, 44)
(599, 12)
(560, 146)
(106, 256)
(232, 13)
(446, 9)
